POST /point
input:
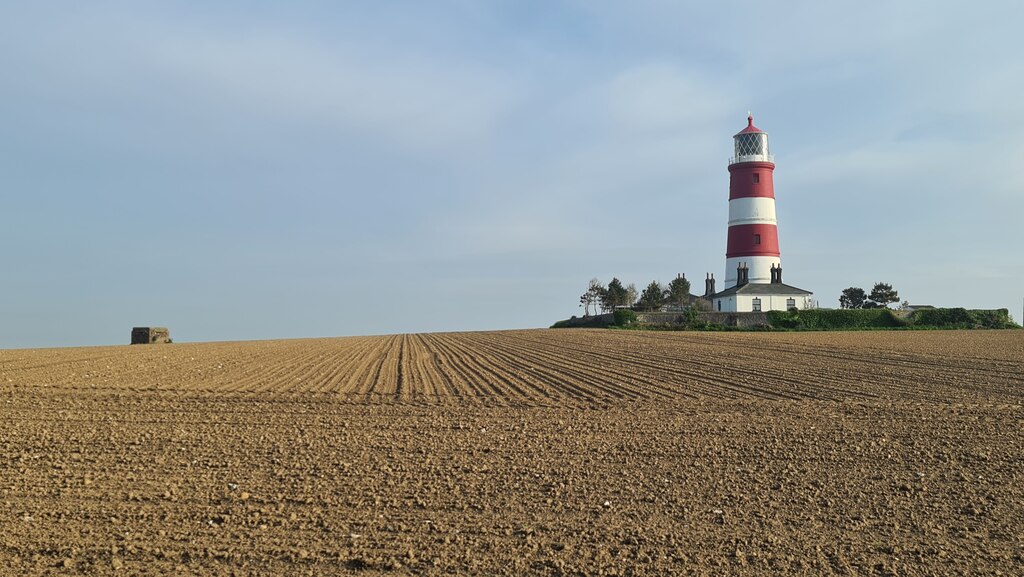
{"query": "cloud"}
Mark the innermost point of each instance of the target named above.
(231, 77)
(406, 99)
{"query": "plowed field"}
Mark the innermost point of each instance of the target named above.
(550, 452)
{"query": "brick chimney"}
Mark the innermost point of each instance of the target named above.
(742, 274)
(709, 285)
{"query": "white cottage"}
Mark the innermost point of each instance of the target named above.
(747, 297)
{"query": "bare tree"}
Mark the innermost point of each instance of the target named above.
(592, 297)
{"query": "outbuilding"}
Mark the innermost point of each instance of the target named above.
(150, 335)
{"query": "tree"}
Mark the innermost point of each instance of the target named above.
(700, 305)
(585, 303)
(883, 294)
(653, 297)
(631, 295)
(679, 291)
(613, 296)
(592, 296)
(852, 298)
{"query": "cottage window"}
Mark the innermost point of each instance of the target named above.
(756, 305)
(790, 304)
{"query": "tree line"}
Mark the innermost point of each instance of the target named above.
(881, 295)
(606, 298)
(615, 295)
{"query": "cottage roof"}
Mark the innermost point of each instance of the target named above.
(762, 289)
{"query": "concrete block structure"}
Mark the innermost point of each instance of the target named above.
(150, 335)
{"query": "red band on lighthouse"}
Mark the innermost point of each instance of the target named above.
(751, 179)
(753, 240)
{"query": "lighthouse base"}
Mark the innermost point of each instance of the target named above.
(760, 268)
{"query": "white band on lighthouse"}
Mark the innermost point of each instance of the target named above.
(752, 210)
(759, 268)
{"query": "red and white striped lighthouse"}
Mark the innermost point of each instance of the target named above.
(753, 231)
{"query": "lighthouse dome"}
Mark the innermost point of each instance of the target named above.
(751, 144)
(750, 127)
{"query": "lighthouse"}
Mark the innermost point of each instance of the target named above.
(753, 244)
(753, 262)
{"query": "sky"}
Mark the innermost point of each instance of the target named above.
(256, 170)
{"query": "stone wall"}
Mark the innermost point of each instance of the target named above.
(591, 321)
(744, 320)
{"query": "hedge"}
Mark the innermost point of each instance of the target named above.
(963, 318)
(852, 319)
(832, 319)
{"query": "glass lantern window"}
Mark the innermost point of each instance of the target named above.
(753, 144)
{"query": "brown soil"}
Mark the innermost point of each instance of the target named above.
(541, 452)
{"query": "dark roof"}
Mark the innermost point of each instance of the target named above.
(756, 289)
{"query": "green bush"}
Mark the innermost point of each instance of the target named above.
(883, 318)
(957, 317)
(960, 318)
(623, 317)
(834, 319)
(784, 319)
